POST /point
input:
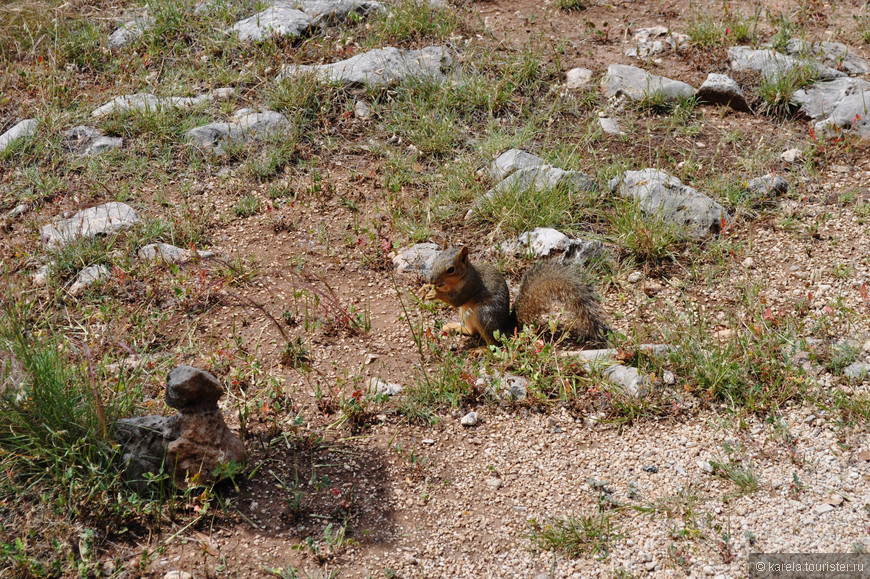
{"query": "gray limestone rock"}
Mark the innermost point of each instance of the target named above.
(839, 104)
(857, 370)
(87, 141)
(469, 419)
(655, 40)
(505, 387)
(278, 20)
(362, 110)
(660, 193)
(23, 130)
(720, 89)
(610, 126)
(579, 78)
(540, 178)
(146, 102)
(380, 67)
(246, 125)
(772, 64)
(543, 242)
(379, 386)
(628, 379)
(170, 253)
(130, 31)
(638, 84)
(101, 220)
(417, 259)
(510, 161)
(768, 186)
(334, 11)
(88, 277)
(831, 54)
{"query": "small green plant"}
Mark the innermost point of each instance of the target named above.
(646, 237)
(862, 26)
(570, 5)
(740, 472)
(776, 90)
(574, 536)
(247, 206)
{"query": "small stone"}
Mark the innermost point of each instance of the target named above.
(638, 84)
(705, 466)
(178, 575)
(417, 259)
(768, 187)
(823, 508)
(18, 211)
(857, 370)
(668, 377)
(650, 469)
(89, 276)
(428, 441)
(40, 276)
(864, 455)
(635, 277)
(579, 78)
(792, 156)
(370, 358)
(274, 21)
(610, 126)
(509, 162)
(362, 110)
(720, 89)
(88, 141)
(170, 253)
(379, 386)
(748, 263)
(835, 500)
(130, 31)
(469, 419)
(187, 385)
(493, 482)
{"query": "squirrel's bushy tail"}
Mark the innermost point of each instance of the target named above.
(551, 292)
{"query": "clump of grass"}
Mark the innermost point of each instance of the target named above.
(570, 5)
(862, 27)
(648, 237)
(575, 536)
(740, 472)
(734, 27)
(411, 20)
(776, 90)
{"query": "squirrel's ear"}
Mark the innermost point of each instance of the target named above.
(444, 246)
(463, 254)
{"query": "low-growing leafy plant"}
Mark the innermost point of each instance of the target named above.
(574, 536)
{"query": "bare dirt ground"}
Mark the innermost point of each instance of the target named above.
(381, 496)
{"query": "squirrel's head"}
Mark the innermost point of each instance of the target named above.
(449, 267)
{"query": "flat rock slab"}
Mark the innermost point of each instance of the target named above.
(628, 379)
(88, 276)
(170, 253)
(24, 129)
(579, 78)
(638, 84)
(279, 20)
(544, 242)
(146, 102)
(720, 89)
(130, 31)
(378, 68)
(417, 259)
(831, 54)
(660, 193)
(648, 42)
(539, 178)
(610, 126)
(840, 104)
(89, 141)
(101, 220)
(772, 64)
(511, 161)
(334, 11)
(247, 125)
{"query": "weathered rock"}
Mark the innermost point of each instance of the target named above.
(40, 276)
(334, 11)
(772, 64)
(768, 186)
(610, 126)
(88, 141)
(278, 20)
(639, 85)
(247, 125)
(379, 386)
(655, 40)
(857, 370)
(579, 78)
(841, 104)
(792, 156)
(417, 259)
(504, 386)
(510, 161)
(101, 220)
(831, 54)
(628, 379)
(469, 419)
(362, 110)
(190, 444)
(660, 193)
(88, 276)
(539, 179)
(720, 89)
(23, 130)
(380, 67)
(170, 253)
(543, 242)
(146, 102)
(130, 31)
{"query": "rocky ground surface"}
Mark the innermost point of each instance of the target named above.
(341, 480)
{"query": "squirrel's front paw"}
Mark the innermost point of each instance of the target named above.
(452, 327)
(427, 293)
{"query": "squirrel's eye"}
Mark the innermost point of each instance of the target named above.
(450, 270)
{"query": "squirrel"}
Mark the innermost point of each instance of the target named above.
(549, 292)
